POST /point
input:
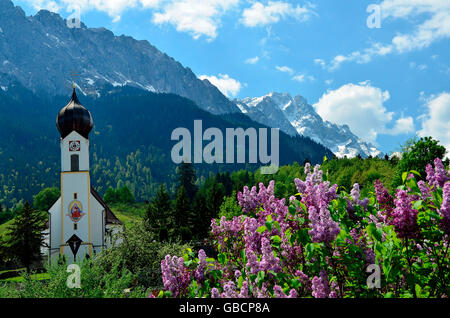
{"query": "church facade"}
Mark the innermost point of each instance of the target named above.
(80, 223)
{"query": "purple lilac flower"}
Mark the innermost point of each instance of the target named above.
(175, 276)
(320, 286)
(303, 279)
(262, 292)
(244, 290)
(317, 195)
(438, 176)
(199, 273)
(355, 195)
(385, 200)
(404, 216)
(323, 228)
(424, 190)
(278, 292)
(268, 261)
(215, 293)
(252, 262)
(251, 201)
(445, 208)
(229, 290)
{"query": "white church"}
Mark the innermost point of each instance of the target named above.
(80, 223)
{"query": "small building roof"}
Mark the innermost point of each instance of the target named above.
(110, 218)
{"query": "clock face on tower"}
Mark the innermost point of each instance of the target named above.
(74, 145)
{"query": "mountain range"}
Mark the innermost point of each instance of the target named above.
(41, 52)
(133, 92)
(294, 115)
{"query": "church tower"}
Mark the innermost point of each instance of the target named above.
(79, 220)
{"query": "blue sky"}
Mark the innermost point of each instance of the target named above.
(386, 83)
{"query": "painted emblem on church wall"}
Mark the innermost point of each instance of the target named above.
(75, 211)
(74, 145)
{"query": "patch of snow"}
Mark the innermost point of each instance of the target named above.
(151, 88)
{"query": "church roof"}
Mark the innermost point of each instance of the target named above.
(110, 218)
(74, 117)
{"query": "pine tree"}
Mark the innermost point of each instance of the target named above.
(24, 239)
(201, 215)
(159, 213)
(187, 178)
(214, 198)
(184, 218)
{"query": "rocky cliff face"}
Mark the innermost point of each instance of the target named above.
(288, 114)
(41, 52)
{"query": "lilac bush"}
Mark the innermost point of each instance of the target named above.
(320, 243)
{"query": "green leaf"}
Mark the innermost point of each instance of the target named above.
(303, 206)
(222, 258)
(261, 229)
(388, 295)
(276, 239)
(416, 173)
(277, 226)
(292, 210)
(260, 277)
(374, 232)
(269, 225)
(404, 176)
(240, 281)
(417, 204)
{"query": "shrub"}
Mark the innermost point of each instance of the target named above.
(321, 244)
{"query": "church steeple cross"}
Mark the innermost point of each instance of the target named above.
(74, 75)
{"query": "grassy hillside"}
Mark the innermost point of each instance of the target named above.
(127, 213)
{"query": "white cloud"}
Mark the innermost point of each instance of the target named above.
(285, 69)
(198, 18)
(420, 67)
(195, 17)
(361, 107)
(434, 27)
(302, 77)
(436, 122)
(320, 62)
(260, 15)
(227, 85)
(252, 60)
(403, 125)
(299, 78)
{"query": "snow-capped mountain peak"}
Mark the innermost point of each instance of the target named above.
(294, 115)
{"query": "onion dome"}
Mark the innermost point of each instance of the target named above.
(74, 117)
